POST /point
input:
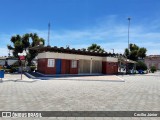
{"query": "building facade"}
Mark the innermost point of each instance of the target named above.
(153, 60)
(51, 61)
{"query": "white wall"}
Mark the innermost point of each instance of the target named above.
(74, 56)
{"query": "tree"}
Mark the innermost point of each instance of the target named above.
(126, 52)
(141, 66)
(135, 52)
(22, 43)
(142, 52)
(153, 69)
(95, 47)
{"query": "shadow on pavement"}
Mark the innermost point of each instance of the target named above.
(18, 80)
(83, 80)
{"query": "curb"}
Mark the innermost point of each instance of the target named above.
(29, 75)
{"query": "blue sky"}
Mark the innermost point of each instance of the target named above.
(79, 23)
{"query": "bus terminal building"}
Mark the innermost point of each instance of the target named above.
(53, 60)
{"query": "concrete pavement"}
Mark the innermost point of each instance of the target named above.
(137, 93)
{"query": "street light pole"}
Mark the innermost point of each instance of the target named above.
(49, 25)
(129, 19)
(128, 31)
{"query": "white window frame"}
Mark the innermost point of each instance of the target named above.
(51, 63)
(74, 64)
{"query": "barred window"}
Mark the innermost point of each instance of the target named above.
(51, 62)
(74, 64)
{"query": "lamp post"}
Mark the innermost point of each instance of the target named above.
(49, 25)
(129, 19)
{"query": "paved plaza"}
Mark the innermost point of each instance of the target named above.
(108, 93)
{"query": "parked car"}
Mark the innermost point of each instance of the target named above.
(140, 71)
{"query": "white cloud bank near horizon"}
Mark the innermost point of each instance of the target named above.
(110, 35)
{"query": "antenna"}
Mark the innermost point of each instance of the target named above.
(49, 25)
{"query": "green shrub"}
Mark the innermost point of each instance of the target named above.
(153, 69)
(33, 68)
(7, 70)
(13, 69)
(141, 66)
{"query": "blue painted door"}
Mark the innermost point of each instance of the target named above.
(58, 66)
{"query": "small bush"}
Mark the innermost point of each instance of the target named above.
(7, 70)
(153, 69)
(33, 68)
(11, 70)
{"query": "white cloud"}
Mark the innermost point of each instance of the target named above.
(108, 36)
(4, 51)
(108, 33)
(4, 41)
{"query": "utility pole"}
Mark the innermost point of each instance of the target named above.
(49, 25)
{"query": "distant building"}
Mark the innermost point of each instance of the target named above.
(53, 60)
(8, 61)
(153, 60)
(2, 61)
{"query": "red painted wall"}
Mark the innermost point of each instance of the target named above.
(74, 70)
(50, 70)
(109, 67)
(104, 68)
(65, 67)
(43, 67)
